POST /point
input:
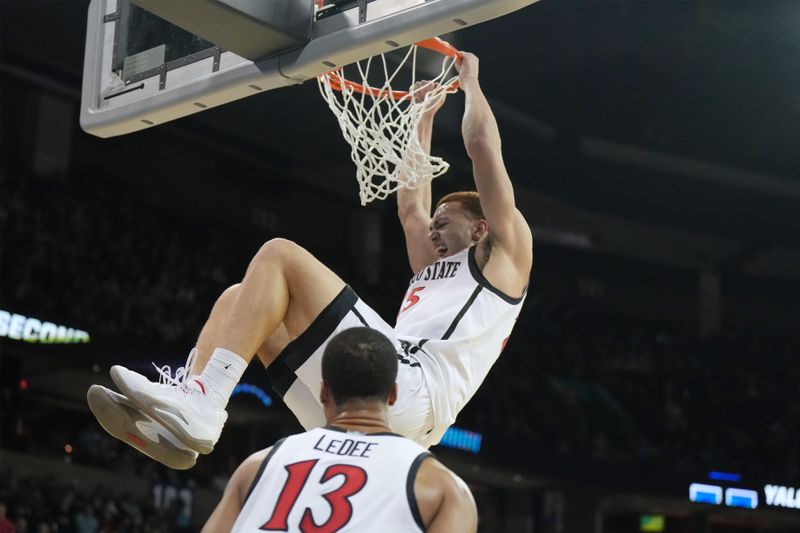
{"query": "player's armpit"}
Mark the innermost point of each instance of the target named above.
(229, 507)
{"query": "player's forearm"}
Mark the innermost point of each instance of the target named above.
(482, 141)
(478, 127)
(419, 199)
(411, 201)
(425, 133)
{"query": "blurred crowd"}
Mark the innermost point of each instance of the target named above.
(85, 252)
(585, 385)
(42, 504)
(574, 380)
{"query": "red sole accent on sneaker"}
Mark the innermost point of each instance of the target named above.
(136, 440)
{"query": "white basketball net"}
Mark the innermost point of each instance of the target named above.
(381, 129)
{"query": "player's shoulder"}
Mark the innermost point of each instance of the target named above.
(246, 475)
(434, 471)
(249, 467)
(434, 479)
(257, 458)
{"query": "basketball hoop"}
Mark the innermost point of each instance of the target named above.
(380, 123)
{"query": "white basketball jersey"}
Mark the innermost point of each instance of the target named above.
(328, 480)
(454, 324)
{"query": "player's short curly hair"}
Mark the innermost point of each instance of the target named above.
(469, 201)
(359, 364)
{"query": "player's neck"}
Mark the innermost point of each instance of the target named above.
(361, 420)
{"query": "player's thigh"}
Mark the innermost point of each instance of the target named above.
(312, 286)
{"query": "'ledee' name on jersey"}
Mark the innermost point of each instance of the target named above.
(438, 270)
(349, 447)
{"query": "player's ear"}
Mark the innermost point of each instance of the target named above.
(392, 395)
(324, 393)
(479, 229)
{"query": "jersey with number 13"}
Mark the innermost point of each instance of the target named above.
(328, 480)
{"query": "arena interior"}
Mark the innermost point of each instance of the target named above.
(654, 368)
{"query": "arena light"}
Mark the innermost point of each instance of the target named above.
(745, 498)
(461, 439)
(701, 493)
(258, 392)
(29, 329)
(724, 476)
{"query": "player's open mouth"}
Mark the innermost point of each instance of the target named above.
(441, 250)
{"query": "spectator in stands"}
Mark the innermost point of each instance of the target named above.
(6, 525)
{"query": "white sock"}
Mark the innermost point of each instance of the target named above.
(220, 376)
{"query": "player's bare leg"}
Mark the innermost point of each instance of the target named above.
(120, 418)
(212, 329)
(283, 284)
(211, 333)
(284, 290)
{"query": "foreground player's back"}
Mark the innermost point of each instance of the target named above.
(331, 480)
(354, 474)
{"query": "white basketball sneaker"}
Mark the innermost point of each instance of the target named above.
(176, 403)
(122, 420)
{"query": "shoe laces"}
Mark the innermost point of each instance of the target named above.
(182, 373)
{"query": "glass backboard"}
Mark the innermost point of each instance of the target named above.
(141, 71)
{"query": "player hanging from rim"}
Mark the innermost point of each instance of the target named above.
(381, 477)
(471, 264)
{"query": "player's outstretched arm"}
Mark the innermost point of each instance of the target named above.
(507, 226)
(445, 502)
(229, 507)
(414, 205)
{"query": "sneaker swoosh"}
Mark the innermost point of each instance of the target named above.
(148, 429)
(155, 432)
(173, 412)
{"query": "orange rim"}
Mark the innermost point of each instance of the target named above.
(434, 43)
